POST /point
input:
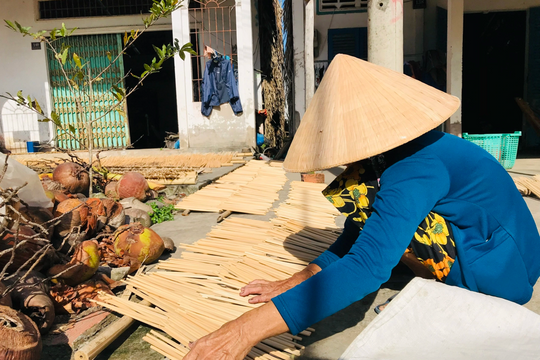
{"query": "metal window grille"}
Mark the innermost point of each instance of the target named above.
(59, 9)
(336, 6)
(212, 23)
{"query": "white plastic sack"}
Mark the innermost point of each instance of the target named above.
(16, 175)
(433, 320)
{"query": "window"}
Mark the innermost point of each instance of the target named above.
(351, 41)
(212, 23)
(58, 9)
(341, 6)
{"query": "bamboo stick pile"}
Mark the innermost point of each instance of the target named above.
(528, 185)
(187, 161)
(199, 292)
(251, 189)
(308, 206)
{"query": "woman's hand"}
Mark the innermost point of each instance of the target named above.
(267, 290)
(234, 340)
(227, 343)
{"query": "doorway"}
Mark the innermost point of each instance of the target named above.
(493, 71)
(152, 107)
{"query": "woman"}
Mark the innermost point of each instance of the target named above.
(442, 204)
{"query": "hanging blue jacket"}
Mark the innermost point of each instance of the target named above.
(219, 86)
(496, 238)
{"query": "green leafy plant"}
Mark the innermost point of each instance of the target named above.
(165, 213)
(82, 83)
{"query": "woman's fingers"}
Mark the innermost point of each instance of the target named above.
(260, 299)
(255, 287)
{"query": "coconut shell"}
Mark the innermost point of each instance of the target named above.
(132, 184)
(169, 244)
(73, 177)
(110, 190)
(138, 216)
(77, 217)
(19, 336)
(83, 265)
(136, 242)
(60, 196)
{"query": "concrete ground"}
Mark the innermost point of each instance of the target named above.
(334, 334)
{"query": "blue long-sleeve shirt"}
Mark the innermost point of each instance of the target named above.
(496, 238)
(219, 86)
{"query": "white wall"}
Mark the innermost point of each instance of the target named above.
(494, 5)
(24, 69)
(413, 30)
(335, 21)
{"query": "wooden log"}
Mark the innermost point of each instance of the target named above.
(106, 337)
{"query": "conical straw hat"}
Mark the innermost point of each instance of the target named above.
(360, 110)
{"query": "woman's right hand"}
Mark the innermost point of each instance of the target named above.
(265, 290)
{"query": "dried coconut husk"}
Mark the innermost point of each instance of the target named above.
(132, 184)
(97, 216)
(116, 216)
(19, 336)
(23, 252)
(138, 243)
(68, 299)
(73, 177)
(82, 266)
(77, 215)
(31, 296)
(39, 216)
(109, 257)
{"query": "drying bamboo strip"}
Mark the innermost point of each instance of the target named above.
(198, 293)
(528, 185)
(187, 161)
(251, 189)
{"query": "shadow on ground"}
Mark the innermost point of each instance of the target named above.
(349, 322)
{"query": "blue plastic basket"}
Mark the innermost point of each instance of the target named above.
(502, 146)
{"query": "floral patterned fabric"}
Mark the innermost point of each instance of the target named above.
(353, 192)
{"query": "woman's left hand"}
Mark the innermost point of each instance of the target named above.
(227, 343)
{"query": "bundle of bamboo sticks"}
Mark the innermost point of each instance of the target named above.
(187, 161)
(308, 206)
(199, 292)
(528, 185)
(251, 189)
(165, 175)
